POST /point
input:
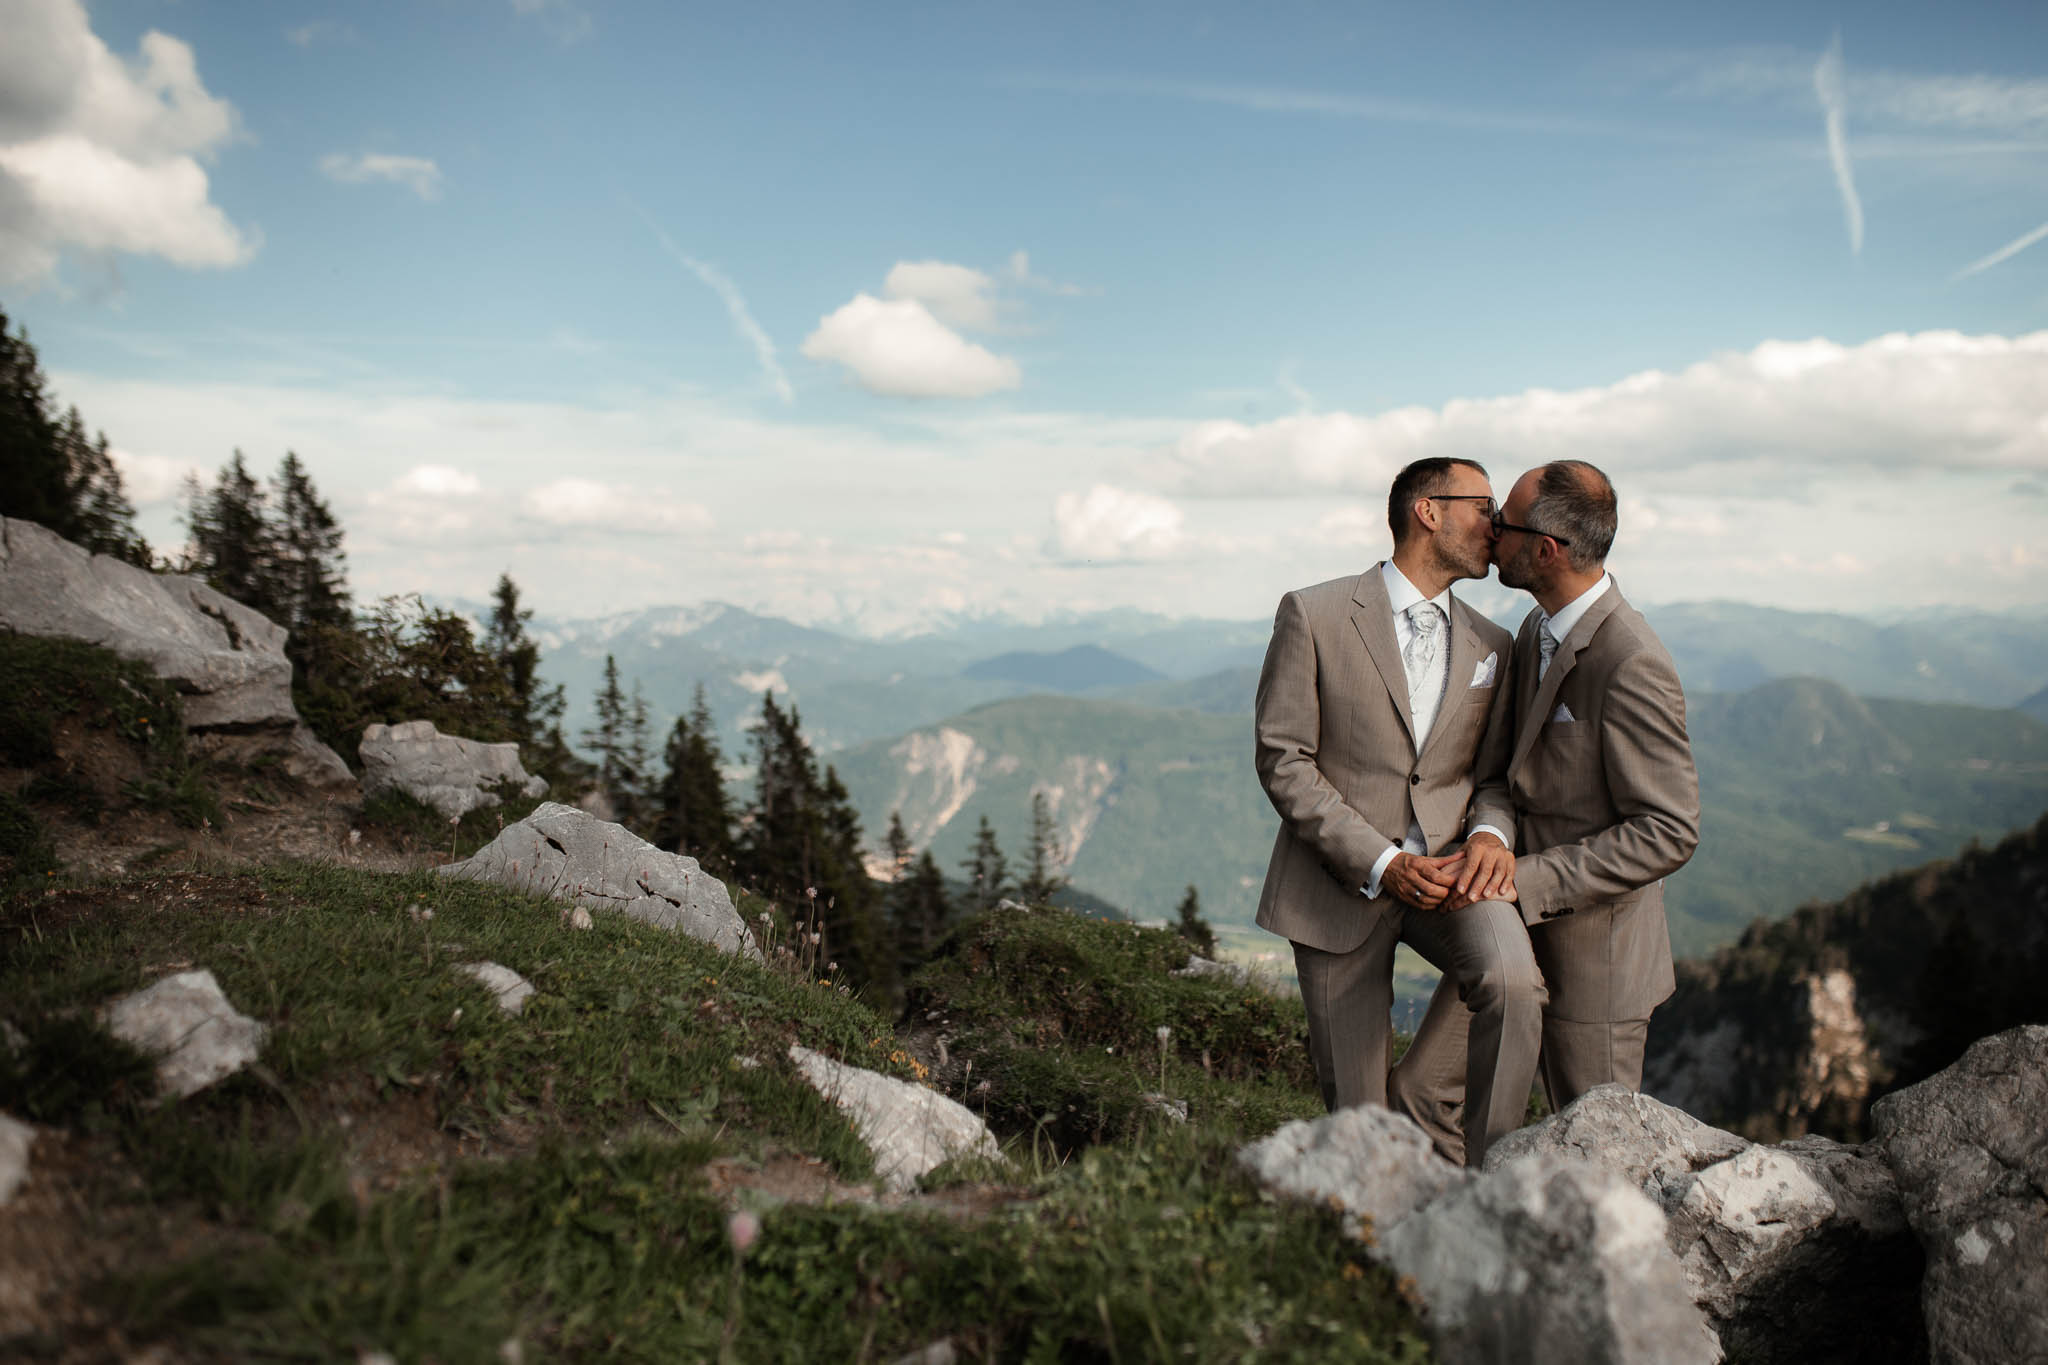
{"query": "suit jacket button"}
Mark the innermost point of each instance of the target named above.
(1415, 779)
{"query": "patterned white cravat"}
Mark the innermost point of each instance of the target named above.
(1546, 648)
(1426, 661)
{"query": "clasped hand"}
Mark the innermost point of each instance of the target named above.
(1484, 869)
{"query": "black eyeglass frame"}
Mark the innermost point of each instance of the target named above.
(1500, 524)
(1492, 507)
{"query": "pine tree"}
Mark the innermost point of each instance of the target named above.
(1193, 927)
(638, 785)
(695, 816)
(608, 738)
(896, 844)
(801, 846)
(33, 474)
(308, 573)
(537, 707)
(1041, 882)
(988, 872)
(922, 913)
(232, 545)
(53, 473)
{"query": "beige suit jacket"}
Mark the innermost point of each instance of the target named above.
(1336, 753)
(1602, 778)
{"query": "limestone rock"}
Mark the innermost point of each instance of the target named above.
(507, 987)
(1969, 1148)
(1549, 1261)
(565, 853)
(227, 661)
(1655, 1146)
(16, 1138)
(910, 1129)
(1373, 1164)
(453, 775)
(186, 1022)
(1796, 1253)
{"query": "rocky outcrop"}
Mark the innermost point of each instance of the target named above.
(1544, 1259)
(453, 775)
(568, 855)
(187, 1024)
(1798, 1252)
(1374, 1165)
(1807, 1020)
(1548, 1261)
(1969, 1152)
(227, 662)
(910, 1129)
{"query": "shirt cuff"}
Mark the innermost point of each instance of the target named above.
(1488, 829)
(1379, 867)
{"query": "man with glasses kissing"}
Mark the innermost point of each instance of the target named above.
(1383, 734)
(1606, 803)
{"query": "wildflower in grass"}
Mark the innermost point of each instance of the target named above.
(741, 1229)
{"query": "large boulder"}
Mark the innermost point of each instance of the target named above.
(909, 1128)
(1374, 1165)
(564, 853)
(1969, 1147)
(188, 1025)
(1553, 1262)
(453, 775)
(1798, 1252)
(227, 661)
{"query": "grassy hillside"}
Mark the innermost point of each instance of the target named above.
(1808, 792)
(409, 1170)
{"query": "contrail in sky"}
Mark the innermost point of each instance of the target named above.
(2012, 248)
(1827, 83)
(735, 306)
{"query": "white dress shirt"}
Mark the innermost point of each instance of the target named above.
(1401, 595)
(1569, 614)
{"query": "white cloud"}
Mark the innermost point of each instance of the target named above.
(151, 480)
(1827, 84)
(1783, 411)
(417, 173)
(956, 294)
(1970, 102)
(735, 307)
(437, 481)
(103, 155)
(587, 503)
(1116, 524)
(897, 348)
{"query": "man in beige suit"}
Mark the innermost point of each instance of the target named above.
(1383, 737)
(1605, 794)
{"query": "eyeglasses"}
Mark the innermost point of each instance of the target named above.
(1500, 524)
(1488, 508)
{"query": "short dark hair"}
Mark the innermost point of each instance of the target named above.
(1575, 501)
(1422, 479)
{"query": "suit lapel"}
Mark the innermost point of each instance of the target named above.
(1464, 663)
(1538, 710)
(1375, 623)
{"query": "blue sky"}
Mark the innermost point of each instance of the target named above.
(868, 314)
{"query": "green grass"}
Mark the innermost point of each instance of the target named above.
(414, 824)
(1061, 1019)
(558, 1194)
(49, 681)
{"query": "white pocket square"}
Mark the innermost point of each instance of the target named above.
(1482, 676)
(1562, 715)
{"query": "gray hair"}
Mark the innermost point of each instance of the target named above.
(1576, 501)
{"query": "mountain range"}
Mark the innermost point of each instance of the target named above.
(1831, 748)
